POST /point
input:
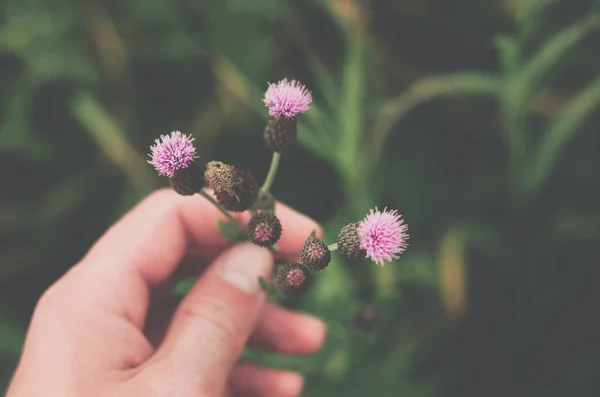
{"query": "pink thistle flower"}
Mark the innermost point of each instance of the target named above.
(383, 235)
(175, 152)
(287, 98)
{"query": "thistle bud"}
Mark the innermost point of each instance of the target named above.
(235, 189)
(264, 229)
(292, 279)
(187, 181)
(349, 242)
(315, 254)
(281, 133)
(285, 100)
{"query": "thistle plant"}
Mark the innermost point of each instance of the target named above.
(381, 236)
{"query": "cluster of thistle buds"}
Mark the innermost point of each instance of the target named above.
(381, 236)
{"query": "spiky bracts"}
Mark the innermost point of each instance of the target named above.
(349, 242)
(292, 279)
(280, 133)
(315, 254)
(187, 181)
(264, 229)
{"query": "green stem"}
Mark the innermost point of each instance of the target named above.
(333, 247)
(272, 172)
(219, 206)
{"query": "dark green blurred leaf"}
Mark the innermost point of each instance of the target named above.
(530, 12)
(509, 51)
(521, 89)
(232, 231)
(561, 130)
(264, 284)
(183, 286)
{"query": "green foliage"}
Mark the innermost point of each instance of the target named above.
(231, 230)
(264, 284)
(491, 156)
(182, 287)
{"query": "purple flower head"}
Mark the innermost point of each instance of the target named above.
(287, 98)
(383, 235)
(173, 153)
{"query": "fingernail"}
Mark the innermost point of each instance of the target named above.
(290, 383)
(244, 264)
(316, 328)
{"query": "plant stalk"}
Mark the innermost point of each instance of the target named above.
(214, 202)
(266, 187)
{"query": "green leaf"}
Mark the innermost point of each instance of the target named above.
(508, 49)
(313, 233)
(324, 79)
(232, 231)
(521, 89)
(264, 284)
(351, 109)
(530, 14)
(183, 286)
(562, 128)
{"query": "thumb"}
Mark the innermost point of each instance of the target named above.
(214, 320)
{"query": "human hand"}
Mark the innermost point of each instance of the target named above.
(104, 329)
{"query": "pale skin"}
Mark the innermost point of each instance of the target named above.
(108, 328)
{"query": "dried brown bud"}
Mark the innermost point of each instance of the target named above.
(235, 189)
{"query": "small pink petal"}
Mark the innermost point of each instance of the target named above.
(287, 98)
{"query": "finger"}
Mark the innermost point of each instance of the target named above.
(145, 247)
(283, 331)
(216, 317)
(277, 330)
(251, 381)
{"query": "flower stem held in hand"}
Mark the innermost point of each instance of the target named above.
(266, 187)
(219, 206)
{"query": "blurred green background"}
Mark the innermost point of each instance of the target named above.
(477, 119)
